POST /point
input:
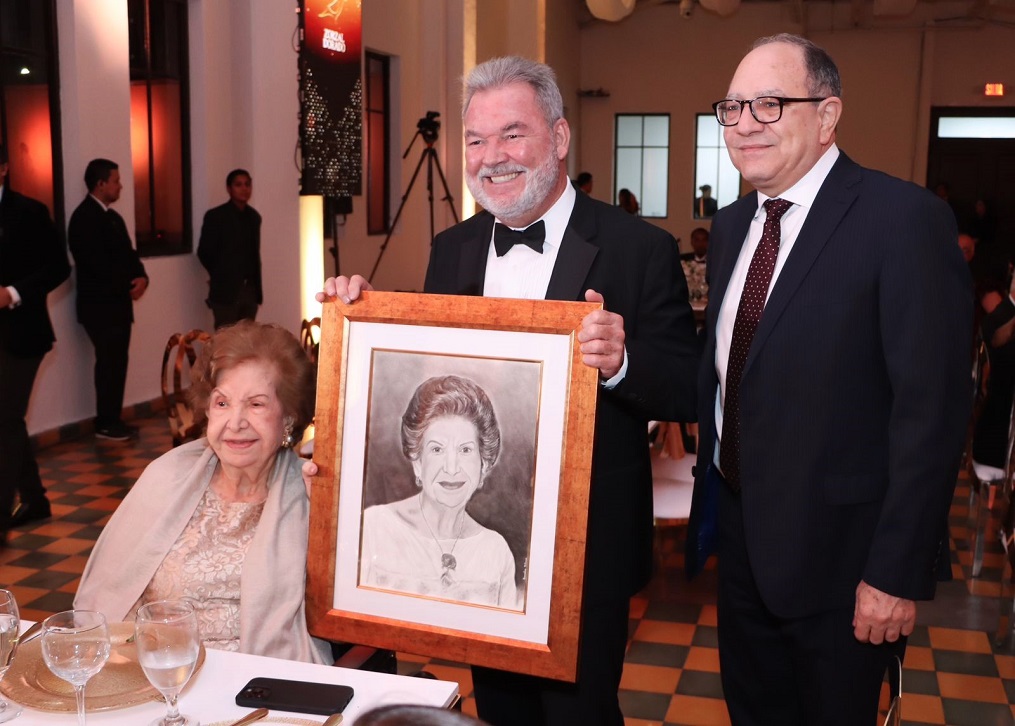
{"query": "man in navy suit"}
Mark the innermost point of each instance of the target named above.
(33, 261)
(643, 344)
(829, 469)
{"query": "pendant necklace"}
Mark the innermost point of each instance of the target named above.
(448, 561)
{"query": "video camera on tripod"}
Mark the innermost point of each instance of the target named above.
(429, 127)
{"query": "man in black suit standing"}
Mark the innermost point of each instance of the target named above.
(230, 249)
(833, 401)
(643, 344)
(705, 206)
(33, 261)
(110, 277)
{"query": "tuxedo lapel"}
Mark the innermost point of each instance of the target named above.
(834, 199)
(576, 254)
(473, 253)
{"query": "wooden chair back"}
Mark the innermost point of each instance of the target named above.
(310, 338)
(181, 352)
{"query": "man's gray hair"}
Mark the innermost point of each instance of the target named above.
(499, 72)
(822, 73)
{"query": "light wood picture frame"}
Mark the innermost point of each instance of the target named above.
(376, 354)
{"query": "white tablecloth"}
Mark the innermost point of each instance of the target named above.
(210, 695)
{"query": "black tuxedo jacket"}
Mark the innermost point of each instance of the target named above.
(230, 249)
(106, 264)
(854, 398)
(33, 260)
(636, 267)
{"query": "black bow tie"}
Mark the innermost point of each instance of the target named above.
(504, 238)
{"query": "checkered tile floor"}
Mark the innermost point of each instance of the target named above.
(953, 672)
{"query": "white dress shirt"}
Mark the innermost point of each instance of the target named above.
(523, 272)
(802, 195)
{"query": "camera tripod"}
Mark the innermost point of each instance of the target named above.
(427, 127)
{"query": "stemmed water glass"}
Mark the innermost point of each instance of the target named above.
(75, 646)
(10, 624)
(168, 644)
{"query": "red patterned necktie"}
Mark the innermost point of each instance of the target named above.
(752, 305)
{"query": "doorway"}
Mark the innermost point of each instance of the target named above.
(972, 151)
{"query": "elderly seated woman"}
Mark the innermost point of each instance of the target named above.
(222, 522)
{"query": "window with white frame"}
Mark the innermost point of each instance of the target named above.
(712, 169)
(641, 160)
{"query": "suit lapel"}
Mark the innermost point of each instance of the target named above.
(472, 257)
(576, 254)
(719, 277)
(834, 199)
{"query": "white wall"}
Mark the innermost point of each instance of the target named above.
(95, 105)
(244, 113)
(427, 66)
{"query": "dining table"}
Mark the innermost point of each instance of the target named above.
(210, 695)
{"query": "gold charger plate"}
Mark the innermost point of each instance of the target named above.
(120, 683)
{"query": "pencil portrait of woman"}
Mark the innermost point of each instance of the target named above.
(428, 543)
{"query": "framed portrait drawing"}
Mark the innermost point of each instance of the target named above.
(454, 444)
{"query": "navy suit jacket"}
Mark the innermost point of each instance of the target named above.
(636, 267)
(33, 260)
(854, 398)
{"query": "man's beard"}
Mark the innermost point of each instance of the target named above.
(539, 182)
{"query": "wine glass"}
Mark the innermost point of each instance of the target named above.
(75, 646)
(10, 625)
(168, 644)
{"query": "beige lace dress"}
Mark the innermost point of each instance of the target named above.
(204, 567)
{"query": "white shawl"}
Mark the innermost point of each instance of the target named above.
(153, 516)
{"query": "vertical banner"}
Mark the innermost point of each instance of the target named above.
(331, 97)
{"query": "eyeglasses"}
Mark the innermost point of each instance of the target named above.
(765, 109)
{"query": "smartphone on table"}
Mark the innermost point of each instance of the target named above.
(279, 694)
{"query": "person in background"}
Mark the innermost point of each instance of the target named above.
(833, 401)
(110, 278)
(584, 182)
(643, 344)
(33, 262)
(990, 438)
(230, 249)
(967, 243)
(699, 247)
(705, 205)
(225, 518)
(627, 201)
